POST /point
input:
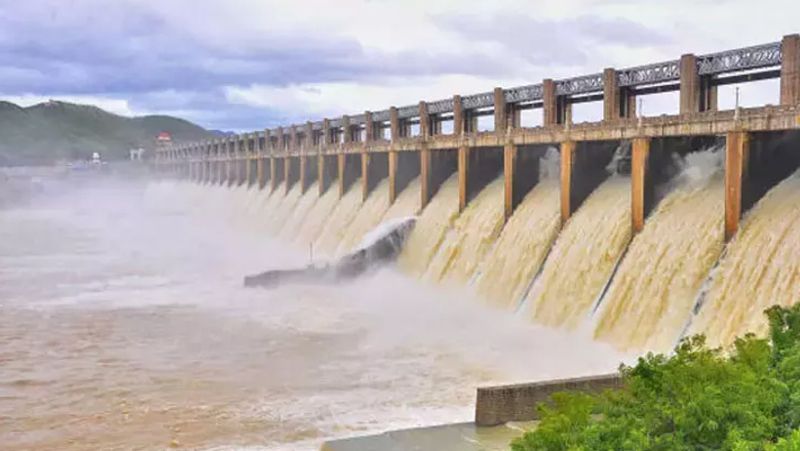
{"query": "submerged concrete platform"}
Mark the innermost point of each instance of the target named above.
(447, 437)
(502, 413)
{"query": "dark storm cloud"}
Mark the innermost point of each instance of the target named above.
(128, 50)
(136, 51)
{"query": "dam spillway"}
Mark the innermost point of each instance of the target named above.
(623, 240)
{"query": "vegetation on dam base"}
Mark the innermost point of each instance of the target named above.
(696, 399)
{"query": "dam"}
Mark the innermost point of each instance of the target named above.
(631, 232)
(615, 226)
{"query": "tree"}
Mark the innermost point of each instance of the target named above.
(695, 399)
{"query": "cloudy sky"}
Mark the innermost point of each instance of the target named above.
(249, 64)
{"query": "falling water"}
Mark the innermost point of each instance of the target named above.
(428, 234)
(471, 237)
(652, 294)
(368, 216)
(283, 209)
(301, 210)
(312, 226)
(407, 202)
(336, 226)
(515, 259)
(760, 268)
(584, 256)
(269, 209)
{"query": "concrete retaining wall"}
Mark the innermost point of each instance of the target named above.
(504, 403)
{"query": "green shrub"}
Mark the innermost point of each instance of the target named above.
(695, 399)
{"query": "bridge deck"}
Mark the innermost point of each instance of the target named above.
(760, 119)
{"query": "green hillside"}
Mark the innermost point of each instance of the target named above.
(53, 131)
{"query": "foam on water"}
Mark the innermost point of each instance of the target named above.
(143, 334)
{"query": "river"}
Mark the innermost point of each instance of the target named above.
(124, 325)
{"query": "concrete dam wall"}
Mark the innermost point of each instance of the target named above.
(636, 289)
(636, 229)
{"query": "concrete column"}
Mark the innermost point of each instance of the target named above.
(392, 176)
(509, 173)
(436, 125)
(287, 172)
(369, 127)
(394, 124)
(248, 155)
(279, 142)
(236, 160)
(640, 152)
(326, 134)
(737, 153)
(260, 171)
(500, 114)
(347, 133)
(459, 125)
(321, 173)
(463, 177)
(611, 97)
(218, 162)
(424, 121)
(202, 164)
(213, 164)
(567, 155)
(222, 153)
(364, 175)
(425, 175)
(790, 70)
(690, 85)
(293, 140)
(302, 176)
(697, 94)
(549, 103)
(273, 174)
(199, 161)
(211, 168)
(230, 166)
(308, 143)
(708, 94)
(341, 159)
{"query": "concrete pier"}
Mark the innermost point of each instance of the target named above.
(374, 168)
(475, 170)
(736, 161)
(567, 151)
(521, 173)
(349, 170)
(640, 156)
(790, 70)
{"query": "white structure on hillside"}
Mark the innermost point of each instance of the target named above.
(137, 154)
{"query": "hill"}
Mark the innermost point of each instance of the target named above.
(52, 131)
